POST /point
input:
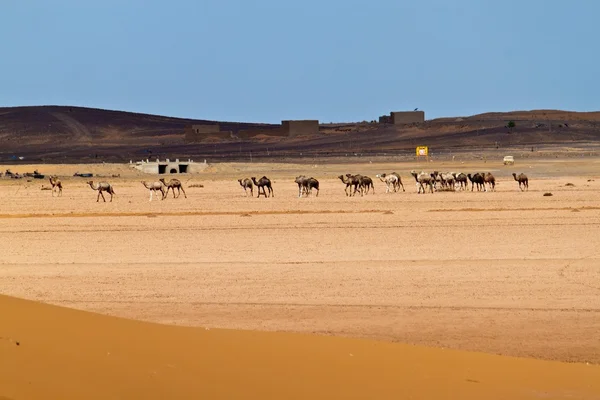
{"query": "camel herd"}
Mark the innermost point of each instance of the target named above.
(453, 181)
(434, 181)
(431, 181)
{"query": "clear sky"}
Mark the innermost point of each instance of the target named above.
(268, 60)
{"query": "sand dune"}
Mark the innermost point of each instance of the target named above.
(50, 352)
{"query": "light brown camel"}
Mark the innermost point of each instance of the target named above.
(56, 183)
(247, 184)
(390, 181)
(102, 187)
(423, 178)
(312, 183)
(522, 179)
(156, 186)
(173, 184)
(261, 184)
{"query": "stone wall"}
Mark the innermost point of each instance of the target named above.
(407, 117)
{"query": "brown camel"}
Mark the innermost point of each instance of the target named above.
(173, 184)
(261, 184)
(102, 187)
(56, 183)
(247, 184)
(349, 182)
(490, 180)
(522, 179)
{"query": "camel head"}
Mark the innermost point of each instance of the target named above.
(515, 175)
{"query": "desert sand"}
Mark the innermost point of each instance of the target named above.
(506, 272)
(51, 352)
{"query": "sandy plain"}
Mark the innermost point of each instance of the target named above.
(506, 272)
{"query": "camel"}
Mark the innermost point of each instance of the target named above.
(312, 183)
(102, 187)
(389, 180)
(153, 187)
(173, 184)
(423, 178)
(522, 179)
(247, 184)
(399, 183)
(461, 180)
(437, 178)
(477, 179)
(490, 180)
(302, 185)
(56, 183)
(261, 184)
(349, 181)
(365, 183)
(447, 180)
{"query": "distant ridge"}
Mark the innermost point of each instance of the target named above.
(77, 134)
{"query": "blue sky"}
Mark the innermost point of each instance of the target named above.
(268, 60)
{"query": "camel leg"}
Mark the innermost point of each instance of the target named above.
(184, 195)
(98, 197)
(271, 191)
(151, 195)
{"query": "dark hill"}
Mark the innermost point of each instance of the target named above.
(78, 134)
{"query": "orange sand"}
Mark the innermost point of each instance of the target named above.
(71, 354)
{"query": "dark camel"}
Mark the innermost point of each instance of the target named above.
(364, 182)
(477, 179)
(261, 184)
(349, 182)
